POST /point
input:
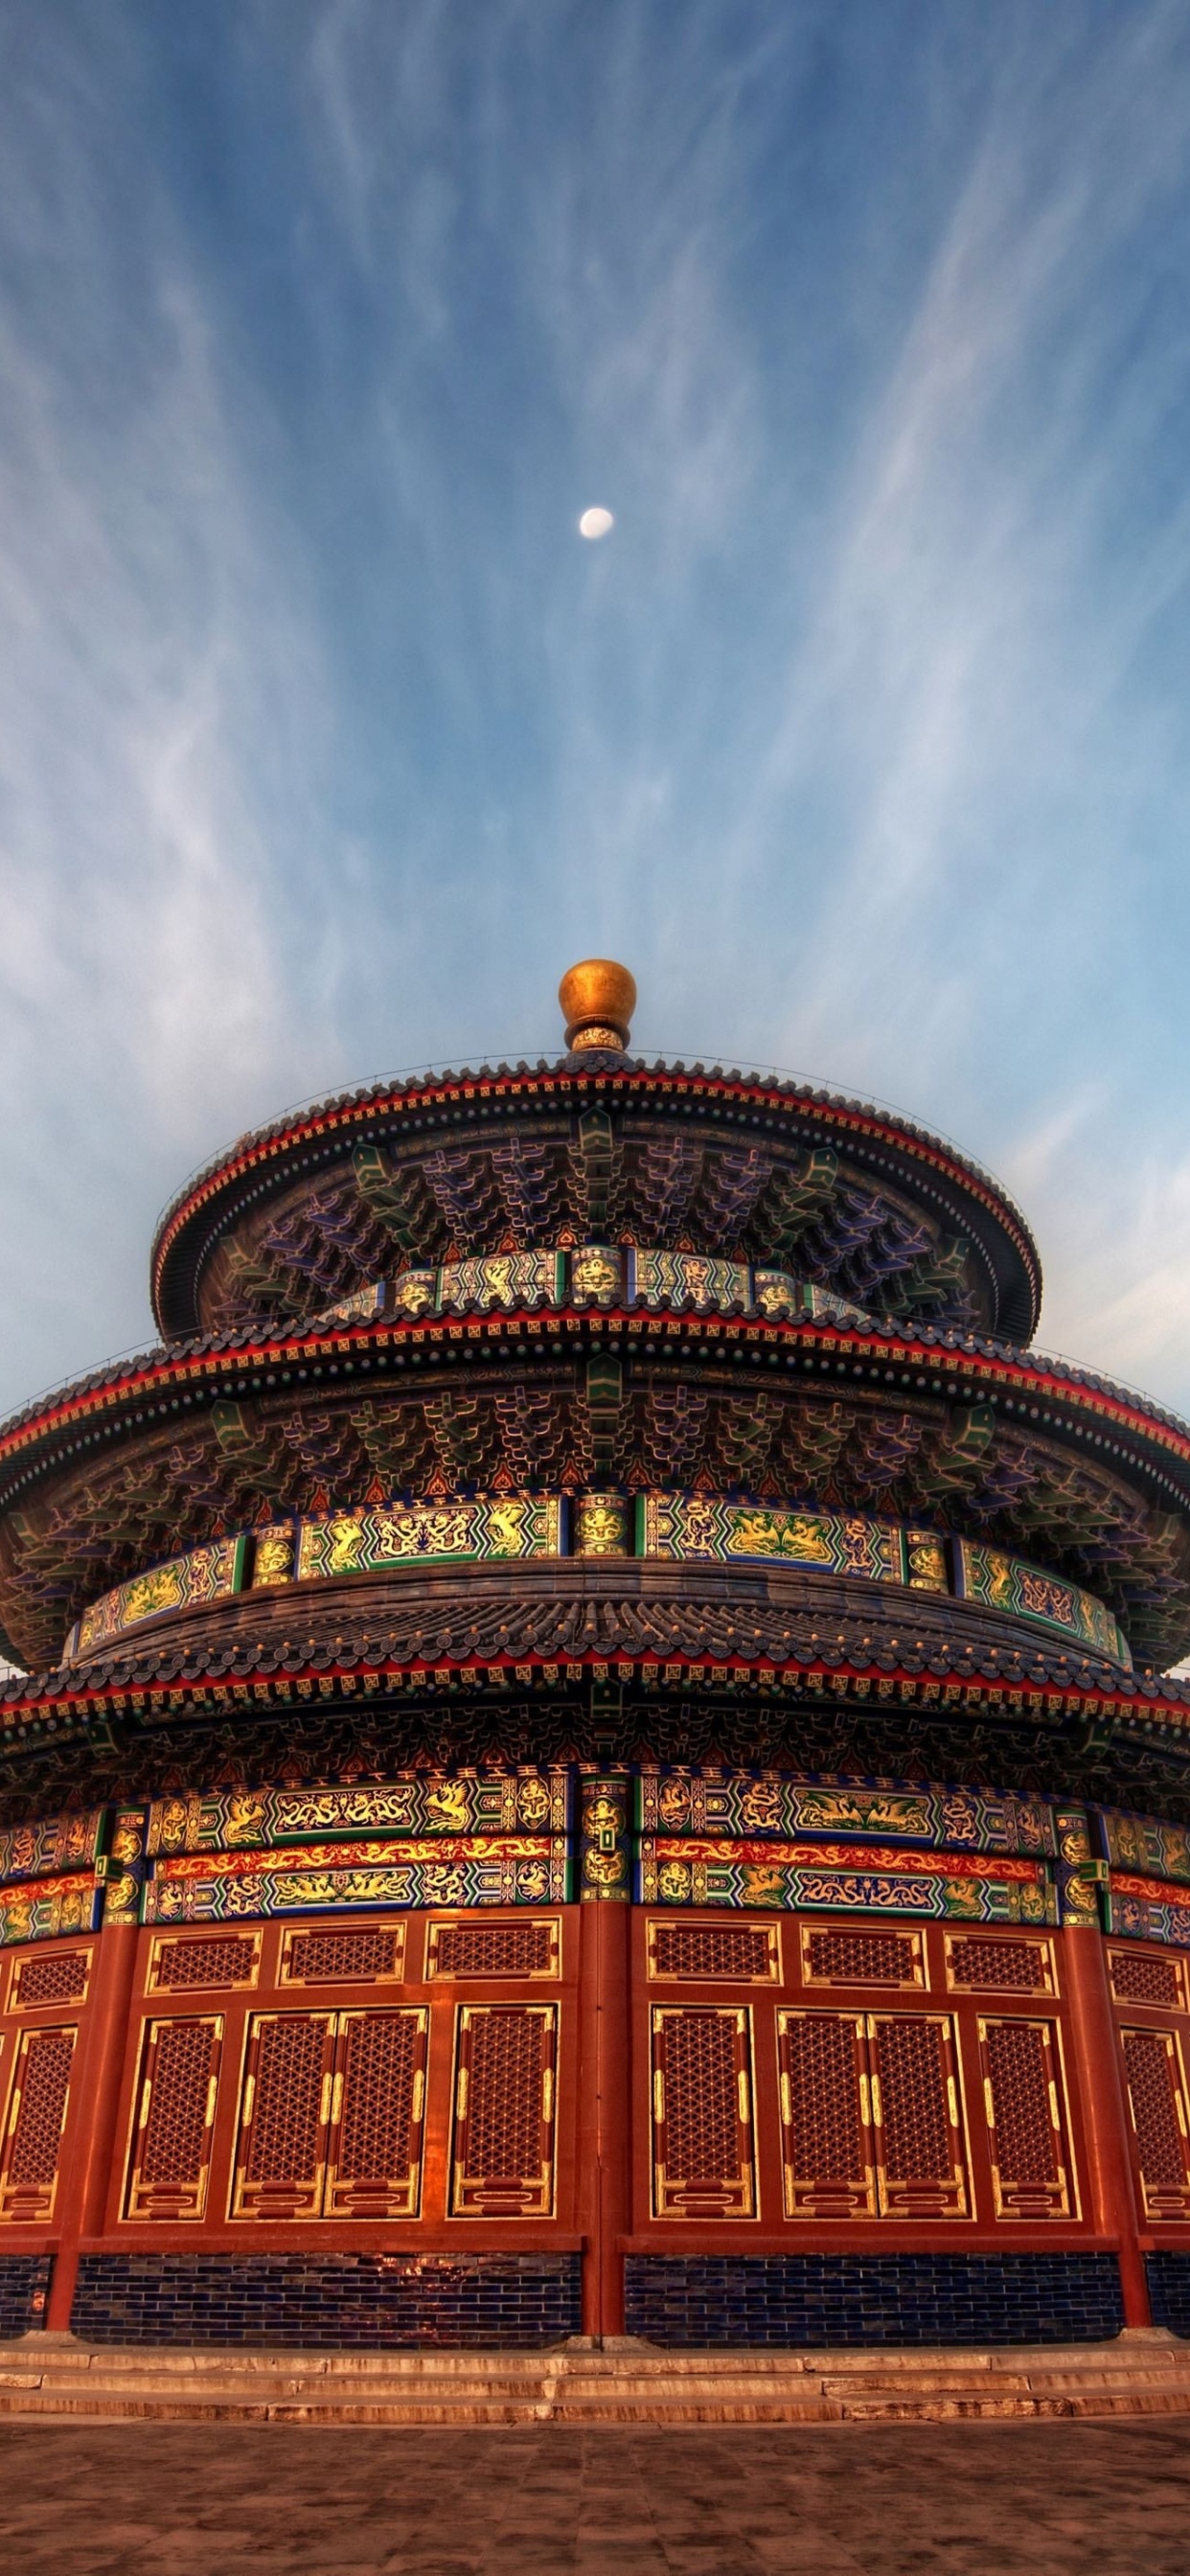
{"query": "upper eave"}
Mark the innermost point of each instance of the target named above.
(311, 1139)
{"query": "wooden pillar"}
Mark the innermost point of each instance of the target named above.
(1105, 2111)
(603, 2125)
(95, 2093)
(603, 2288)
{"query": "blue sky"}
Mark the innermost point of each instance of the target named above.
(325, 741)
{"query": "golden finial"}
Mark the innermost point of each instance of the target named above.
(598, 999)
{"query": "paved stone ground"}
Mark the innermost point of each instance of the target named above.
(1101, 2499)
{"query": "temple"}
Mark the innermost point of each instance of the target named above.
(594, 1752)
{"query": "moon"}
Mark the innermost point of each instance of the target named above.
(595, 523)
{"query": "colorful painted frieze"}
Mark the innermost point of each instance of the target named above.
(47, 1907)
(826, 1308)
(901, 1862)
(597, 1275)
(273, 1550)
(414, 1294)
(926, 1567)
(482, 1869)
(126, 1867)
(51, 1845)
(1126, 1882)
(205, 1575)
(1072, 1826)
(1146, 1843)
(779, 1296)
(652, 1278)
(601, 1524)
(1139, 1909)
(691, 1528)
(1078, 1886)
(673, 1871)
(360, 1307)
(424, 1804)
(354, 1854)
(784, 1299)
(605, 1866)
(672, 1802)
(490, 1527)
(690, 1282)
(506, 1281)
(698, 1527)
(1023, 1591)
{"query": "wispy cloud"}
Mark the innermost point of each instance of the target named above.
(324, 743)
(159, 651)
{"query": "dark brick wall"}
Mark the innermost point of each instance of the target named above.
(24, 2283)
(1169, 2290)
(831, 2299)
(371, 2301)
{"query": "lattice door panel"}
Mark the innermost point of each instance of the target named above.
(185, 1963)
(502, 2156)
(174, 2118)
(1025, 2102)
(515, 1950)
(374, 2158)
(826, 2117)
(921, 2152)
(285, 2112)
(1157, 2096)
(371, 1954)
(55, 1977)
(1148, 1977)
(37, 2107)
(735, 1954)
(704, 2155)
(994, 1963)
(852, 1955)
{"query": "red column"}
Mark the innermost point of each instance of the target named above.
(603, 2137)
(605, 1943)
(95, 2091)
(1105, 2112)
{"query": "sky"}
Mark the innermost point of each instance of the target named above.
(327, 743)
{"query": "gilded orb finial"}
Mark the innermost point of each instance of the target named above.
(598, 998)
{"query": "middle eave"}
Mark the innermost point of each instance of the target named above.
(1099, 1421)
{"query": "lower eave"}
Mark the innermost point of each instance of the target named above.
(171, 1686)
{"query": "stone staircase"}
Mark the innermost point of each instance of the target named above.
(1141, 2373)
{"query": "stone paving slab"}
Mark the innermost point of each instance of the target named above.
(837, 2500)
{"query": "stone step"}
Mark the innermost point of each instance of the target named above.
(1145, 2376)
(1031, 2371)
(639, 2361)
(865, 2356)
(922, 2361)
(889, 2404)
(119, 2373)
(216, 2406)
(63, 2353)
(249, 2392)
(1022, 2383)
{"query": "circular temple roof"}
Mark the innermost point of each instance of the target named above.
(409, 1122)
(786, 1329)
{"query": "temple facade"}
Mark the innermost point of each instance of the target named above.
(594, 1752)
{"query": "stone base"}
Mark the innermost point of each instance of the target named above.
(622, 2384)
